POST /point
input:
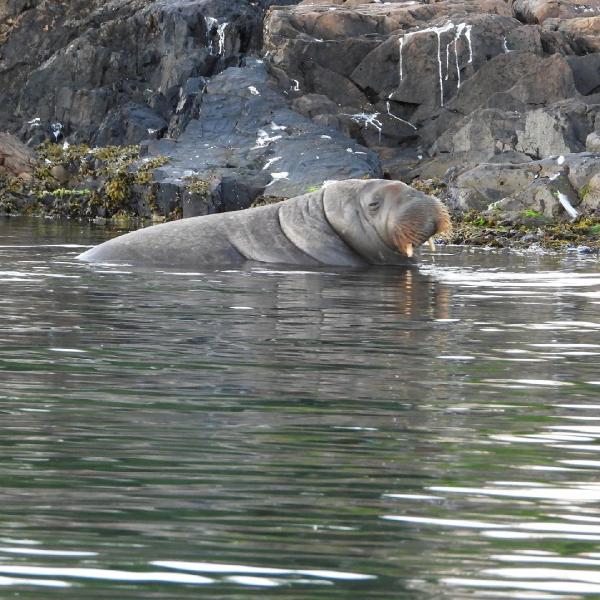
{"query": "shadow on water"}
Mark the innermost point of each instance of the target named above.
(421, 433)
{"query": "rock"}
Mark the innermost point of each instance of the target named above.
(459, 82)
(16, 159)
(590, 196)
(246, 142)
(60, 174)
(530, 238)
(490, 92)
(582, 34)
(314, 105)
(486, 184)
(132, 123)
(546, 197)
(536, 186)
(538, 11)
(585, 250)
(586, 73)
(109, 71)
(559, 129)
(592, 142)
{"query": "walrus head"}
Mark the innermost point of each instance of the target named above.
(384, 221)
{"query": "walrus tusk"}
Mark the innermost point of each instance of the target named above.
(431, 244)
(409, 250)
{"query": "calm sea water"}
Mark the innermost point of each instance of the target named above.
(425, 434)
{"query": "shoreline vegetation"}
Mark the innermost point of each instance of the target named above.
(115, 186)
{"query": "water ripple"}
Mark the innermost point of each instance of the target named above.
(328, 434)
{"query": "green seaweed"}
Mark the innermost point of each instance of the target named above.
(101, 180)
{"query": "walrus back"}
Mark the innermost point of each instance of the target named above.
(219, 240)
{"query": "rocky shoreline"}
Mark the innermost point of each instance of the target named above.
(130, 109)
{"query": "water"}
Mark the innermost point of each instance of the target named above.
(299, 435)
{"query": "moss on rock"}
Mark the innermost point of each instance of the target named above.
(77, 181)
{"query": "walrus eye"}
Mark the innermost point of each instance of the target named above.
(374, 205)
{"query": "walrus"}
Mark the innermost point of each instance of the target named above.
(350, 223)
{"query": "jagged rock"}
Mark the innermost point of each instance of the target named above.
(446, 88)
(108, 71)
(16, 159)
(246, 142)
(132, 123)
(485, 184)
(457, 81)
(586, 73)
(559, 129)
(543, 197)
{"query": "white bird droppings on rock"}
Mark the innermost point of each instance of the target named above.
(460, 30)
(566, 204)
(263, 139)
(271, 161)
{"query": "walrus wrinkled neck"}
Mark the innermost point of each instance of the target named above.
(417, 222)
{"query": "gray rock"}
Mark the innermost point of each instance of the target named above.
(544, 197)
(592, 142)
(246, 142)
(509, 189)
(131, 123)
(428, 86)
(585, 250)
(586, 72)
(85, 64)
(480, 187)
(465, 83)
(590, 196)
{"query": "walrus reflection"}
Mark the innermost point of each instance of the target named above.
(410, 293)
(352, 223)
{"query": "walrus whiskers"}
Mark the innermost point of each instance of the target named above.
(420, 226)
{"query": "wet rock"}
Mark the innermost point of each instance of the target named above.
(585, 250)
(246, 142)
(530, 238)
